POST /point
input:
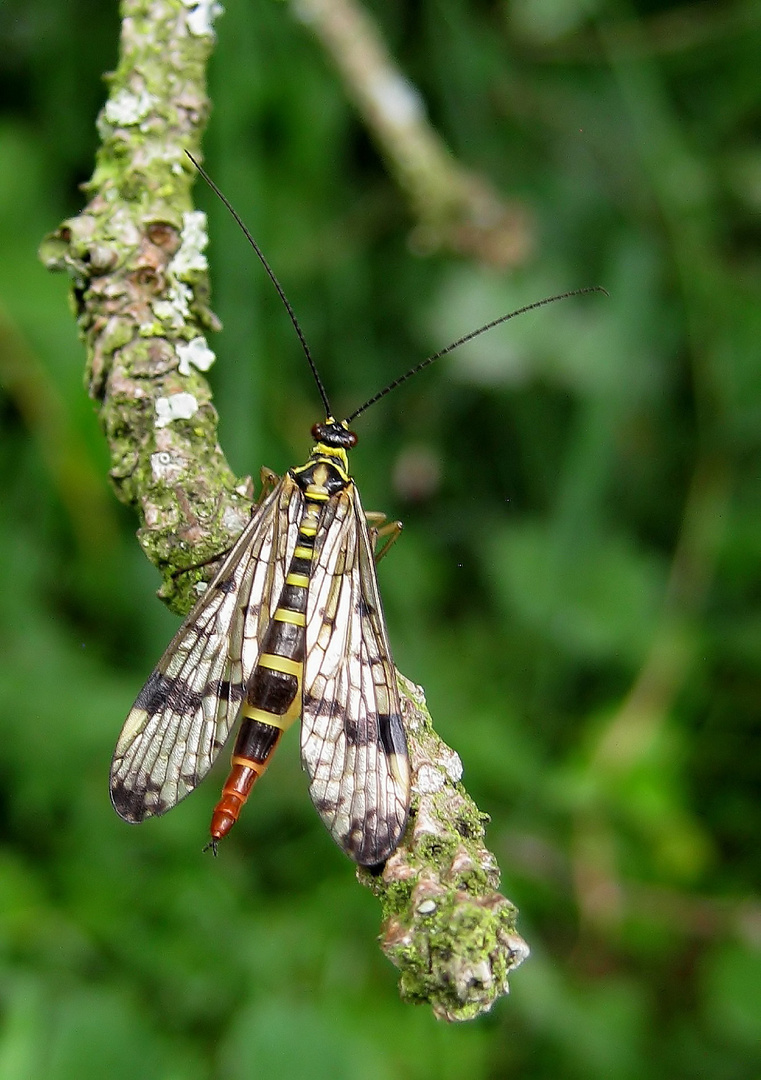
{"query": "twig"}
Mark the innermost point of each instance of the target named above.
(140, 292)
(454, 208)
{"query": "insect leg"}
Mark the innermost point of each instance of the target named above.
(269, 481)
(389, 532)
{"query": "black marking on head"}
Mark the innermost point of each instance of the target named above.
(334, 433)
(161, 692)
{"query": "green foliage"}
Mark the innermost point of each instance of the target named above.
(575, 586)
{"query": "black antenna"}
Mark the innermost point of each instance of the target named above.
(273, 279)
(414, 370)
(468, 337)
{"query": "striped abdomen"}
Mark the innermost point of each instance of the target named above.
(273, 693)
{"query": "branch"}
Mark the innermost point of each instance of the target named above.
(454, 208)
(445, 926)
(140, 293)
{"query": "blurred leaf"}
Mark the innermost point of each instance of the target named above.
(599, 601)
(731, 986)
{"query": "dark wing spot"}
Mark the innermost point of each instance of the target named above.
(224, 689)
(138, 801)
(128, 803)
(322, 706)
(161, 693)
(371, 841)
(191, 780)
(326, 808)
(357, 732)
(252, 610)
(391, 734)
(227, 585)
(184, 699)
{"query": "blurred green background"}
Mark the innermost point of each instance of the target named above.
(577, 586)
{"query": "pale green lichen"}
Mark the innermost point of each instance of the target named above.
(196, 354)
(126, 108)
(174, 311)
(176, 407)
(190, 260)
(202, 15)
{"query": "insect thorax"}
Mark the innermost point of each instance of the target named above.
(325, 474)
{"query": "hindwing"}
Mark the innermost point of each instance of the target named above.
(353, 745)
(184, 713)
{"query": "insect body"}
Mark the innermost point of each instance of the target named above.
(291, 624)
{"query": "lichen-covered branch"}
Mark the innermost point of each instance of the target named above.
(453, 207)
(445, 925)
(140, 289)
(140, 295)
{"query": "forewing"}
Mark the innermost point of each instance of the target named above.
(185, 711)
(353, 745)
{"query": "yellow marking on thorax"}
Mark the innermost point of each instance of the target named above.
(335, 454)
(323, 455)
(316, 490)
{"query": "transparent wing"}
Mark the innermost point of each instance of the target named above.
(184, 713)
(353, 745)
